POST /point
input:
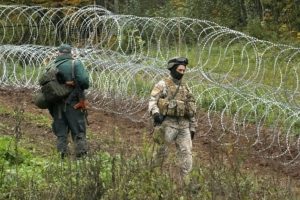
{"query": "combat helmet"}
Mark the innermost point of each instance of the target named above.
(177, 61)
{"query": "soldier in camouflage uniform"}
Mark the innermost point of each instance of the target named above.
(67, 115)
(173, 109)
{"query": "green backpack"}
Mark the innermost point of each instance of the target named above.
(51, 90)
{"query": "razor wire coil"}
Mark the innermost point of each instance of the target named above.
(248, 87)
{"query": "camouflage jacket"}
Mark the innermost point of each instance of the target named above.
(174, 100)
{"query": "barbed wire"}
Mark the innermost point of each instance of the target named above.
(249, 88)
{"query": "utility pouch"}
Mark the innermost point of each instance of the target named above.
(172, 104)
(177, 108)
(163, 106)
(190, 109)
(172, 108)
(180, 108)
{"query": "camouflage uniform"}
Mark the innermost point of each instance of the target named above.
(179, 120)
(65, 117)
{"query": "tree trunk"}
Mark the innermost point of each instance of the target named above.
(259, 8)
(116, 6)
(98, 2)
(243, 13)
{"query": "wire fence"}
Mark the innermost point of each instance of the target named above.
(249, 88)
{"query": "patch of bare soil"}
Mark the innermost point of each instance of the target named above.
(105, 130)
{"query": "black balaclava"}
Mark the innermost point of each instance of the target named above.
(175, 74)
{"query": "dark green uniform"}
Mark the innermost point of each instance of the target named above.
(65, 117)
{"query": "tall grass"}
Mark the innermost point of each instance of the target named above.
(129, 176)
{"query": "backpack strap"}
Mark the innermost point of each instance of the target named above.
(72, 67)
(57, 65)
(73, 70)
(68, 99)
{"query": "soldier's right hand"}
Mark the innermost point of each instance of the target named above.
(158, 118)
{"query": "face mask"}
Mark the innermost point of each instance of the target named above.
(175, 74)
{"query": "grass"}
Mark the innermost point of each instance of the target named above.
(24, 174)
(243, 88)
(38, 119)
(120, 176)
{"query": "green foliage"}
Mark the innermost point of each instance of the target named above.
(105, 176)
(7, 153)
(225, 178)
(239, 15)
(261, 31)
(25, 175)
(38, 119)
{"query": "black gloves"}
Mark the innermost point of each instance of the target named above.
(192, 134)
(158, 119)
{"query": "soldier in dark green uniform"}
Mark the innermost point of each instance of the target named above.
(67, 115)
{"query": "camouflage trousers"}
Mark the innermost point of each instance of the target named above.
(65, 119)
(164, 136)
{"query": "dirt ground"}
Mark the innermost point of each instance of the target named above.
(105, 130)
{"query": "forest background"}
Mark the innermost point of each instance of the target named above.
(272, 20)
